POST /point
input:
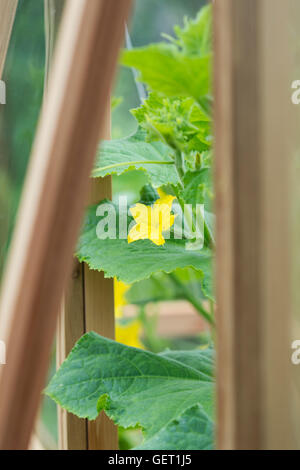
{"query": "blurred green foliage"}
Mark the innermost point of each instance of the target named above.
(24, 77)
(150, 18)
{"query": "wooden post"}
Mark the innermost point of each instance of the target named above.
(8, 10)
(252, 99)
(99, 311)
(89, 306)
(52, 206)
(72, 431)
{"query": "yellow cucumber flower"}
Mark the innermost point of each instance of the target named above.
(129, 334)
(120, 289)
(161, 193)
(152, 221)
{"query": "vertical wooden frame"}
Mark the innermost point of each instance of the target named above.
(88, 306)
(252, 96)
(72, 431)
(52, 206)
(100, 317)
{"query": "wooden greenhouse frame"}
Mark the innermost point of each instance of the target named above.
(49, 208)
(253, 222)
(253, 286)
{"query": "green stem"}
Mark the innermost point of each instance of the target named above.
(192, 299)
(156, 131)
(140, 162)
(150, 330)
(208, 237)
(179, 163)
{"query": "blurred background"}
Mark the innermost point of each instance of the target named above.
(155, 300)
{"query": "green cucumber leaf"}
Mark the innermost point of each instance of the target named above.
(166, 70)
(181, 68)
(179, 122)
(134, 153)
(196, 36)
(198, 188)
(201, 360)
(168, 395)
(192, 430)
(139, 260)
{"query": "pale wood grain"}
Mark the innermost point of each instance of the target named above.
(99, 317)
(72, 431)
(52, 206)
(252, 167)
(90, 304)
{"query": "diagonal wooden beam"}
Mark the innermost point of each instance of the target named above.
(52, 206)
(89, 302)
(8, 10)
